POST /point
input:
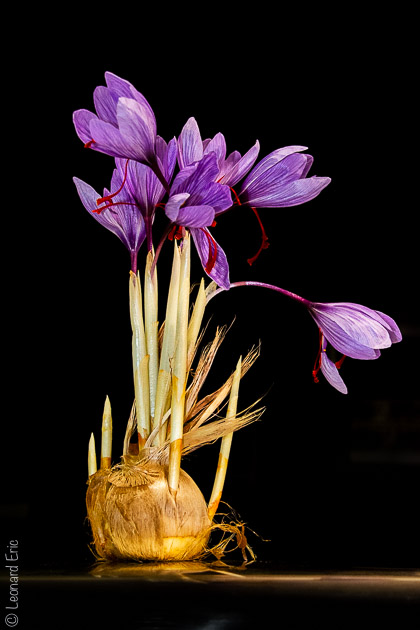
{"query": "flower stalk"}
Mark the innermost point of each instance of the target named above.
(179, 374)
(140, 360)
(151, 328)
(168, 349)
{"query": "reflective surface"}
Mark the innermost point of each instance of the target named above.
(199, 595)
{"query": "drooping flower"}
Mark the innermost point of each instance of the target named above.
(231, 169)
(355, 330)
(195, 199)
(124, 125)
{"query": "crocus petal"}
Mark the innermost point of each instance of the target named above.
(220, 271)
(218, 146)
(195, 216)
(138, 128)
(198, 180)
(355, 330)
(295, 193)
(282, 185)
(233, 172)
(190, 145)
(123, 88)
(141, 185)
(173, 205)
(123, 220)
(166, 155)
(105, 103)
(187, 215)
(391, 325)
(330, 372)
(108, 139)
(81, 120)
(268, 162)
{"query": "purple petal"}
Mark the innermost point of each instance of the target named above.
(106, 104)
(190, 145)
(124, 221)
(187, 215)
(198, 180)
(330, 371)
(220, 271)
(141, 186)
(232, 172)
(268, 162)
(282, 184)
(278, 195)
(166, 154)
(122, 88)
(195, 216)
(82, 119)
(173, 205)
(218, 146)
(352, 329)
(108, 139)
(390, 324)
(137, 127)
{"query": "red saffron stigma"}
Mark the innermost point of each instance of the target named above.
(108, 198)
(175, 233)
(112, 204)
(89, 144)
(339, 363)
(237, 200)
(317, 365)
(264, 239)
(211, 261)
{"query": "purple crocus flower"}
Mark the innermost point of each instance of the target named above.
(136, 191)
(231, 169)
(124, 125)
(279, 180)
(119, 214)
(354, 330)
(194, 201)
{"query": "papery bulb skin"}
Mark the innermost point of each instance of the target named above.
(134, 516)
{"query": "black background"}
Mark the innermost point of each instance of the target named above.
(330, 480)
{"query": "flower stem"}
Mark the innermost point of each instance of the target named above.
(225, 446)
(251, 283)
(179, 374)
(168, 347)
(133, 258)
(151, 328)
(140, 360)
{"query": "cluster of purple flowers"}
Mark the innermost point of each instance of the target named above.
(197, 177)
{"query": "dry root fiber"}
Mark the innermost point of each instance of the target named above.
(134, 515)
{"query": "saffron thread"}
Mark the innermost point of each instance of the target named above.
(110, 196)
